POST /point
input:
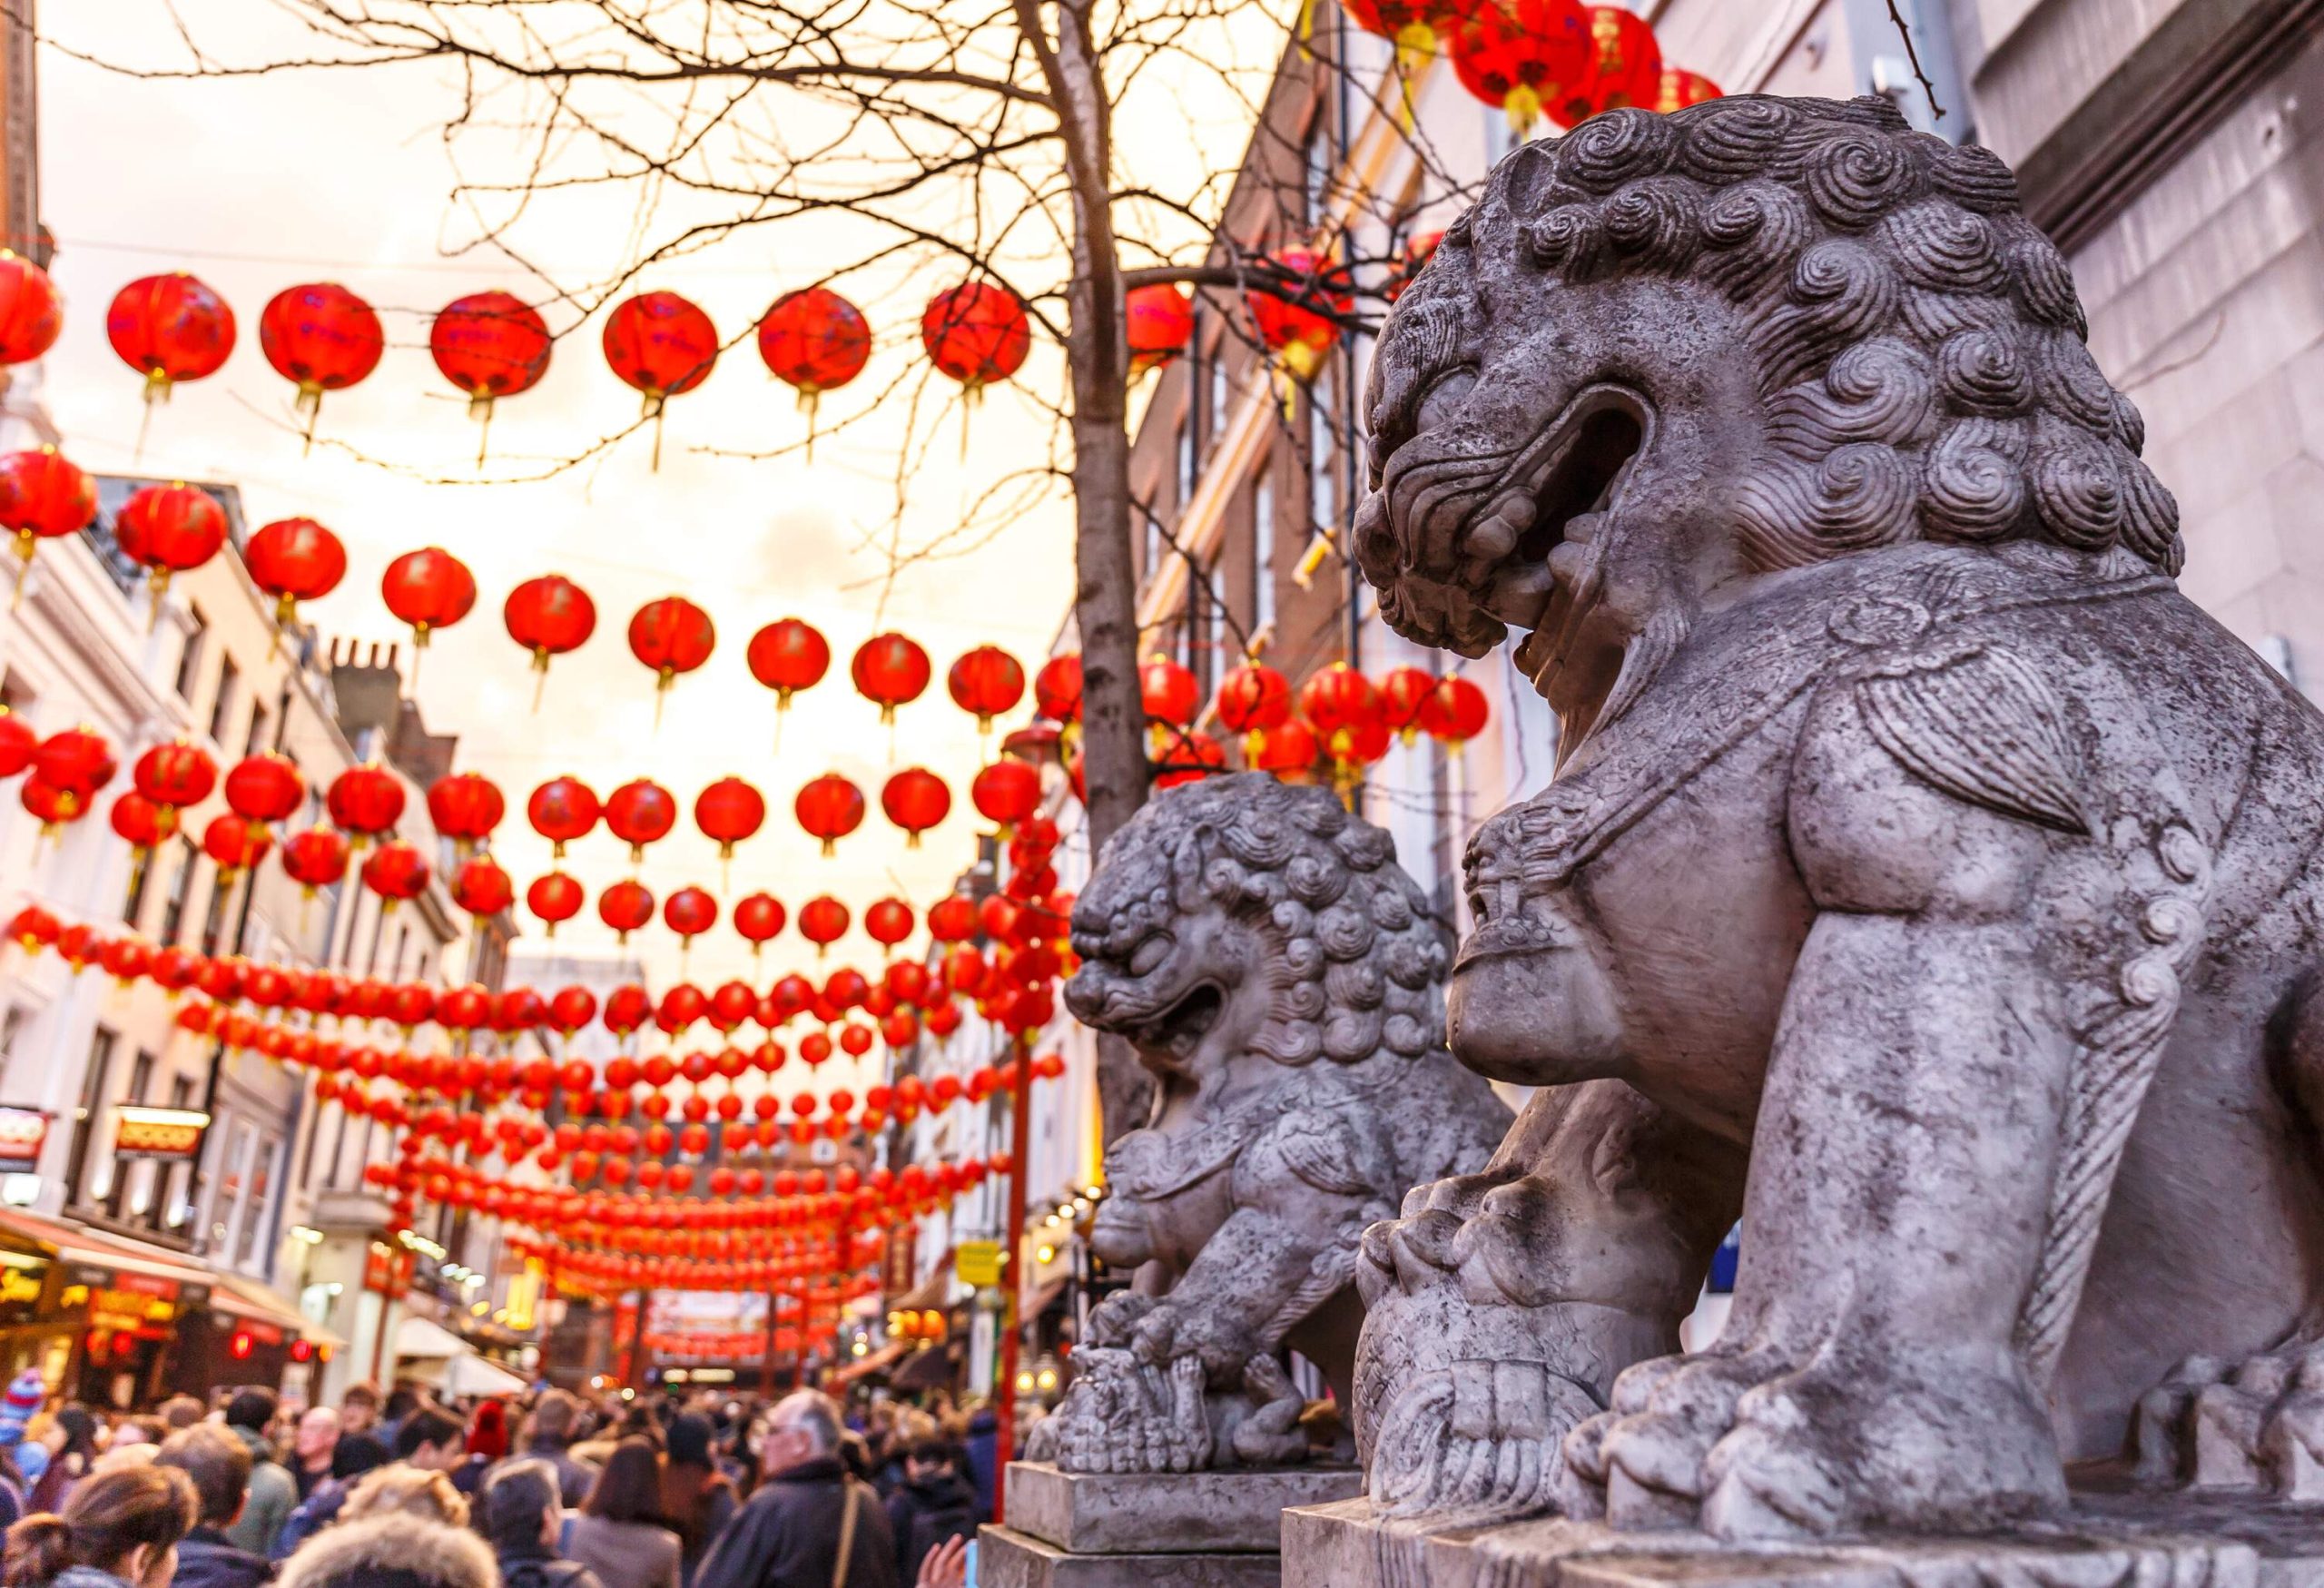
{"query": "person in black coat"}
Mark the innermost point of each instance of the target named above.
(522, 1518)
(807, 1510)
(220, 1466)
(934, 1502)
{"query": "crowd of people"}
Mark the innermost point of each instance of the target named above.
(548, 1490)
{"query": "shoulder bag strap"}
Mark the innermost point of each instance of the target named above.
(846, 1532)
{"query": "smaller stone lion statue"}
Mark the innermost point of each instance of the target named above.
(1238, 932)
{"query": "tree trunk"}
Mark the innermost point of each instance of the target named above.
(1113, 720)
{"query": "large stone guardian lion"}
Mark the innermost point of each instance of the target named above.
(1282, 979)
(1926, 882)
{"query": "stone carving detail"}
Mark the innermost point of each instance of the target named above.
(1925, 880)
(1283, 980)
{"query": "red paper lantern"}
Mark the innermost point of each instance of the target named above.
(662, 345)
(316, 858)
(174, 775)
(915, 800)
(1623, 68)
(30, 314)
(365, 801)
(823, 921)
(43, 496)
(690, 911)
(321, 338)
(1160, 320)
(234, 846)
(1057, 688)
(554, 897)
(396, 873)
(1184, 756)
(170, 528)
(562, 810)
(892, 670)
(1681, 88)
(788, 655)
(50, 805)
(480, 887)
(170, 328)
(140, 822)
(1289, 753)
(625, 906)
(815, 340)
(1168, 692)
(1294, 328)
(640, 813)
(1402, 690)
(1520, 55)
(466, 806)
(1006, 793)
(265, 787)
(828, 808)
(986, 682)
(1455, 711)
(758, 917)
(550, 616)
(977, 334)
(73, 766)
(18, 743)
(489, 345)
(1253, 701)
(953, 918)
(670, 636)
(728, 811)
(294, 560)
(1412, 24)
(888, 921)
(429, 589)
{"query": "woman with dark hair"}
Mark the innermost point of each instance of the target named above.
(69, 1461)
(697, 1499)
(120, 1530)
(618, 1534)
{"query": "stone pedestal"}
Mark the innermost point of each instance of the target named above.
(2118, 1539)
(1149, 1530)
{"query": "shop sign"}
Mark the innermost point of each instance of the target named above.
(23, 1133)
(22, 1280)
(977, 1262)
(165, 1135)
(387, 1269)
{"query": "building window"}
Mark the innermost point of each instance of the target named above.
(180, 884)
(1199, 640)
(1261, 555)
(85, 1119)
(257, 739)
(141, 1078)
(1317, 160)
(1219, 393)
(223, 701)
(1323, 481)
(1185, 441)
(168, 1209)
(213, 920)
(12, 1026)
(141, 866)
(1153, 548)
(257, 1213)
(190, 656)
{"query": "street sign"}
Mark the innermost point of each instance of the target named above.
(977, 1262)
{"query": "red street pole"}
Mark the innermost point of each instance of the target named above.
(1021, 1110)
(766, 1369)
(637, 1373)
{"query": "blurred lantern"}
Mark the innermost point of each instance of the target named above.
(73, 766)
(1401, 691)
(466, 806)
(562, 810)
(554, 897)
(690, 911)
(1184, 756)
(953, 918)
(1417, 253)
(1006, 793)
(429, 589)
(169, 529)
(758, 917)
(1411, 25)
(30, 314)
(1254, 700)
(548, 615)
(141, 823)
(1161, 322)
(1289, 753)
(1623, 68)
(1057, 688)
(728, 811)
(489, 345)
(1340, 704)
(321, 338)
(788, 655)
(43, 496)
(891, 670)
(51, 807)
(265, 787)
(1681, 88)
(662, 345)
(888, 921)
(823, 921)
(625, 906)
(1520, 55)
(1169, 693)
(640, 813)
(817, 341)
(986, 682)
(828, 808)
(977, 334)
(670, 636)
(1295, 318)
(915, 800)
(18, 743)
(170, 328)
(316, 858)
(365, 801)
(1454, 712)
(294, 560)
(233, 846)
(396, 873)
(174, 775)
(482, 887)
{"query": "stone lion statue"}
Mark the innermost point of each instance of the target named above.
(1926, 882)
(1282, 979)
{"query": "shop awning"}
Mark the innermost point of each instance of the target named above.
(877, 1362)
(72, 1243)
(247, 1299)
(929, 1368)
(418, 1337)
(930, 1293)
(470, 1374)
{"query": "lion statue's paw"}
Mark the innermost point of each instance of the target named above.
(2257, 1424)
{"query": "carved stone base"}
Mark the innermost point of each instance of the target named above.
(1149, 1530)
(2116, 1539)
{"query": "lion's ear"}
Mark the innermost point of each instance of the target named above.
(1982, 725)
(1188, 864)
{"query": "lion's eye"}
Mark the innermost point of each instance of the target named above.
(1147, 957)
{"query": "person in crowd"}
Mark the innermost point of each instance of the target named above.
(432, 1440)
(697, 1499)
(274, 1493)
(360, 1448)
(903, 1431)
(393, 1550)
(523, 1517)
(138, 1452)
(69, 1441)
(180, 1411)
(314, 1449)
(947, 1566)
(319, 1509)
(25, 1395)
(488, 1443)
(131, 1431)
(119, 1529)
(550, 1439)
(218, 1466)
(984, 1455)
(619, 1534)
(931, 1505)
(809, 1524)
(414, 1490)
(402, 1401)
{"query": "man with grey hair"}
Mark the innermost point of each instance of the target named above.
(523, 1517)
(809, 1524)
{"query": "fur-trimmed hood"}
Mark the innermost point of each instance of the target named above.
(395, 1551)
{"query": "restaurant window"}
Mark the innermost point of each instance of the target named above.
(180, 884)
(1261, 555)
(233, 1182)
(256, 739)
(257, 1213)
(1153, 548)
(1218, 392)
(213, 920)
(223, 701)
(1323, 477)
(118, 1194)
(1186, 443)
(85, 1119)
(12, 1026)
(169, 1210)
(190, 654)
